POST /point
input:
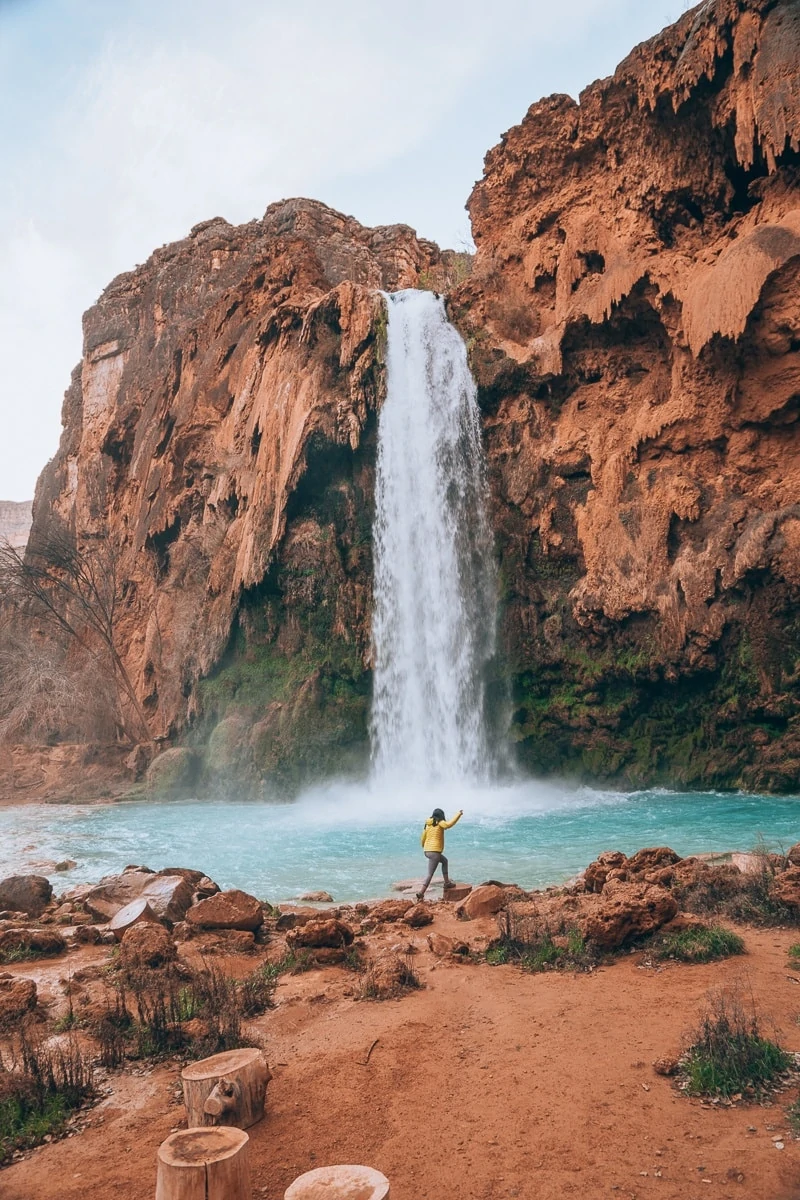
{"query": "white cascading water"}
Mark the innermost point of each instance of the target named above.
(435, 579)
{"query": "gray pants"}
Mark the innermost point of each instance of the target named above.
(434, 859)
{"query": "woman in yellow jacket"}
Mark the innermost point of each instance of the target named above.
(432, 842)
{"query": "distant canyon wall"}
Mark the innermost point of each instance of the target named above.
(15, 522)
(633, 321)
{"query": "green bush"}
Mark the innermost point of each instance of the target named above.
(532, 944)
(729, 1056)
(40, 1086)
(700, 945)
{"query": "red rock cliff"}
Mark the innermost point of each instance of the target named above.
(219, 429)
(634, 324)
(634, 321)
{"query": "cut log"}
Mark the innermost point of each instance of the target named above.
(226, 1089)
(339, 1183)
(204, 1164)
(132, 914)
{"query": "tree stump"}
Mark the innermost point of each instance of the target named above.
(204, 1164)
(226, 1089)
(339, 1183)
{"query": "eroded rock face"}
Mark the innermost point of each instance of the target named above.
(633, 318)
(221, 429)
(15, 521)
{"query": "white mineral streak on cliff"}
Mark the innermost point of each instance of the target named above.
(434, 620)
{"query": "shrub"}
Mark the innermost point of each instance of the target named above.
(532, 943)
(729, 1055)
(39, 1087)
(700, 945)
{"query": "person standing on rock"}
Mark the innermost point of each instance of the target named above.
(432, 842)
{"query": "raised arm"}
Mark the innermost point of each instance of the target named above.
(450, 824)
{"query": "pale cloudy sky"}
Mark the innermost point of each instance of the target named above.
(125, 122)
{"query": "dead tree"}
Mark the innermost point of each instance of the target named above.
(76, 590)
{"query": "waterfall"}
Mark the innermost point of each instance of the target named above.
(435, 579)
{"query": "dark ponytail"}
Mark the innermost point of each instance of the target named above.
(437, 815)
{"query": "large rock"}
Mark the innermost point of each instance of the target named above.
(30, 894)
(172, 775)
(39, 941)
(390, 910)
(786, 888)
(17, 996)
(595, 875)
(169, 896)
(227, 910)
(322, 932)
(418, 916)
(146, 945)
(627, 910)
(483, 901)
(653, 858)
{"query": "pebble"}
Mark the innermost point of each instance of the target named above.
(778, 1145)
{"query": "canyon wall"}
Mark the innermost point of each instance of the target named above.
(633, 321)
(15, 522)
(634, 325)
(221, 431)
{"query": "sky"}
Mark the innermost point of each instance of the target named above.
(125, 122)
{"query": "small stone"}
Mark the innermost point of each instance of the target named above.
(778, 1145)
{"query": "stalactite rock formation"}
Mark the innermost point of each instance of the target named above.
(634, 322)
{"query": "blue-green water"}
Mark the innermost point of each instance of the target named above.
(355, 842)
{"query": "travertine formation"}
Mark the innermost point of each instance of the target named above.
(219, 427)
(634, 316)
(633, 319)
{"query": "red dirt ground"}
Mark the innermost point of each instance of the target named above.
(487, 1083)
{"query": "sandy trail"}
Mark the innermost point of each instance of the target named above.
(485, 1084)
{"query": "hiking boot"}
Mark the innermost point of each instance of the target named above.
(447, 886)
(420, 895)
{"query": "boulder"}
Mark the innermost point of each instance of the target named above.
(386, 976)
(17, 996)
(227, 910)
(38, 941)
(418, 916)
(146, 945)
(793, 855)
(484, 901)
(786, 888)
(87, 935)
(169, 896)
(132, 914)
(290, 918)
(324, 931)
(595, 875)
(390, 910)
(440, 945)
(683, 921)
(317, 897)
(651, 859)
(172, 775)
(29, 894)
(627, 910)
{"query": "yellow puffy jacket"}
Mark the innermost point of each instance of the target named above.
(432, 840)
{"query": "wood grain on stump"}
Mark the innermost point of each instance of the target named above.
(339, 1183)
(226, 1089)
(204, 1164)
